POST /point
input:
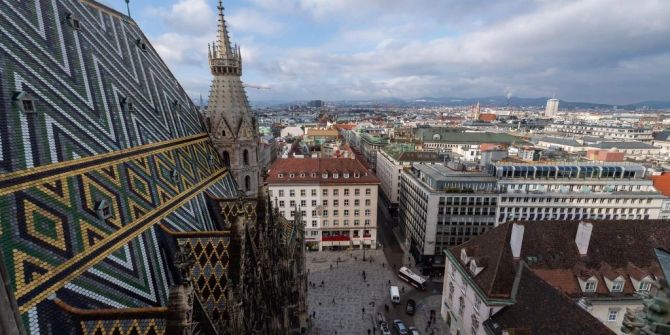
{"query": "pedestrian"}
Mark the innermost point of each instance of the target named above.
(363, 310)
(369, 331)
(355, 258)
(322, 284)
(429, 322)
(382, 265)
(402, 289)
(333, 301)
(331, 267)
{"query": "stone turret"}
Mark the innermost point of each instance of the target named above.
(228, 116)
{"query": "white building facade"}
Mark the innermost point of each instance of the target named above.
(337, 198)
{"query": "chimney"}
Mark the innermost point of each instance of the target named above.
(583, 237)
(516, 240)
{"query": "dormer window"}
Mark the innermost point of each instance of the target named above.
(24, 102)
(356, 174)
(590, 285)
(345, 175)
(302, 174)
(103, 210)
(141, 44)
(72, 22)
(473, 267)
(313, 174)
(464, 256)
(291, 175)
(127, 105)
(280, 175)
(644, 286)
(324, 175)
(335, 175)
(617, 286)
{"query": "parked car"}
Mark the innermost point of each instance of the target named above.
(413, 331)
(400, 327)
(384, 329)
(411, 307)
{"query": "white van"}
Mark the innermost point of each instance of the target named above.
(395, 295)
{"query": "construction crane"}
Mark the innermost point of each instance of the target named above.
(258, 87)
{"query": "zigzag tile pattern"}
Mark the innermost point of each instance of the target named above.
(111, 125)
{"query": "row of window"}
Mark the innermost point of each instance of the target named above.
(324, 214)
(336, 203)
(324, 192)
(468, 201)
(324, 175)
(576, 200)
(345, 222)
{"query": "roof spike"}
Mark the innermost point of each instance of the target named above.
(223, 42)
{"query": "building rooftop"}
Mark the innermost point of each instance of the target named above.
(561, 141)
(319, 170)
(549, 249)
(541, 309)
(662, 136)
(622, 145)
(467, 137)
(662, 183)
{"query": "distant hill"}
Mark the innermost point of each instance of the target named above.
(496, 101)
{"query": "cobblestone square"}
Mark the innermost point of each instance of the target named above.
(340, 302)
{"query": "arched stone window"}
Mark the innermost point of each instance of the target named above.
(226, 159)
(247, 183)
(245, 157)
(223, 132)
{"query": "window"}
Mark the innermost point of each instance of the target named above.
(461, 306)
(346, 191)
(336, 203)
(314, 213)
(292, 203)
(357, 222)
(357, 191)
(303, 203)
(617, 286)
(314, 193)
(346, 222)
(336, 192)
(314, 233)
(325, 213)
(590, 286)
(475, 325)
(451, 292)
(325, 223)
(336, 212)
(612, 315)
(367, 202)
(226, 162)
(346, 212)
(281, 193)
(346, 202)
(644, 286)
(303, 193)
(314, 225)
(367, 222)
(368, 191)
(357, 202)
(367, 212)
(245, 157)
(478, 303)
(282, 203)
(336, 222)
(357, 212)
(313, 203)
(291, 193)
(325, 203)
(325, 193)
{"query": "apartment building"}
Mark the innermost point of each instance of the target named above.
(391, 161)
(337, 198)
(615, 132)
(440, 207)
(518, 276)
(574, 191)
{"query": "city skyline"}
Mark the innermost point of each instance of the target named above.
(580, 51)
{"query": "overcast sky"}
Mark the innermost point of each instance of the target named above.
(610, 51)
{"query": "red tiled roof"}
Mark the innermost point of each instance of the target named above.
(623, 247)
(662, 183)
(311, 170)
(541, 309)
(345, 126)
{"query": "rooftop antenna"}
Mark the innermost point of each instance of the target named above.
(128, 7)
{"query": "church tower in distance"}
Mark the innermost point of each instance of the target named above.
(233, 130)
